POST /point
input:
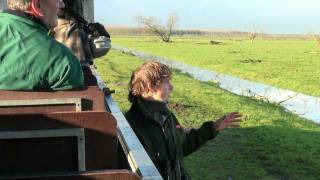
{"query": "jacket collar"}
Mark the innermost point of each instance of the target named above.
(155, 110)
(25, 15)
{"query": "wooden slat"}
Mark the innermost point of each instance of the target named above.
(42, 102)
(94, 175)
(92, 99)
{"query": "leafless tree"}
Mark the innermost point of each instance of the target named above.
(254, 32)
(154, 25)
(315, 37)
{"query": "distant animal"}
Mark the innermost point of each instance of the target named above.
(215, 42)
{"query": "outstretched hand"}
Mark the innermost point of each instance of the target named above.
(231, 120)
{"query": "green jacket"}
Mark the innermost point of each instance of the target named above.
(31, 59)
(165, 141)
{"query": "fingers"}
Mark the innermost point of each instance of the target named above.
(234, 126)
(236, 121)
(233, 120)
(234, 115)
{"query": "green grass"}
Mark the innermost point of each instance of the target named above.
(271, 143)
(287, 64)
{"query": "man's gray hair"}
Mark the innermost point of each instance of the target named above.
(22, 5)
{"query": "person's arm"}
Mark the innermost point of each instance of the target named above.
(195, 138)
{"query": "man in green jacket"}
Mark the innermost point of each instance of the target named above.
(30, 58)
(157, 128)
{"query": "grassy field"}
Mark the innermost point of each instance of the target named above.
(271, 143)
(288, 64)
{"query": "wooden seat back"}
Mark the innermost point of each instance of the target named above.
(56, 142)
(90, 98)
(95, 175)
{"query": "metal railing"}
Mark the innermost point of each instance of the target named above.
(137, 157)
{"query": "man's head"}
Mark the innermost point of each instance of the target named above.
(151, 81)
(45, 10)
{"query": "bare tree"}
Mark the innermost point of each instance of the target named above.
(154, 25)
(315, 37)
(254, 32)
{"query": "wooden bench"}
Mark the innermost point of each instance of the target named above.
(90, 98)
(95, 175)
(57, 142)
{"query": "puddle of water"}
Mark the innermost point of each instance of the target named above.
(303, 105)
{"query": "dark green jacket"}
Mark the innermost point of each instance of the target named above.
(165, 141)
(30, 59)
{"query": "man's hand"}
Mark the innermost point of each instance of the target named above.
(231, 120)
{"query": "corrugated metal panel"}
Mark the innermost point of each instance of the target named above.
(3, 4)
(88, 10)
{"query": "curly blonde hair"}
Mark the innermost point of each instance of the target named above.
(149, 75)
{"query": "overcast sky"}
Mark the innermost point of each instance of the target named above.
(272, 16)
